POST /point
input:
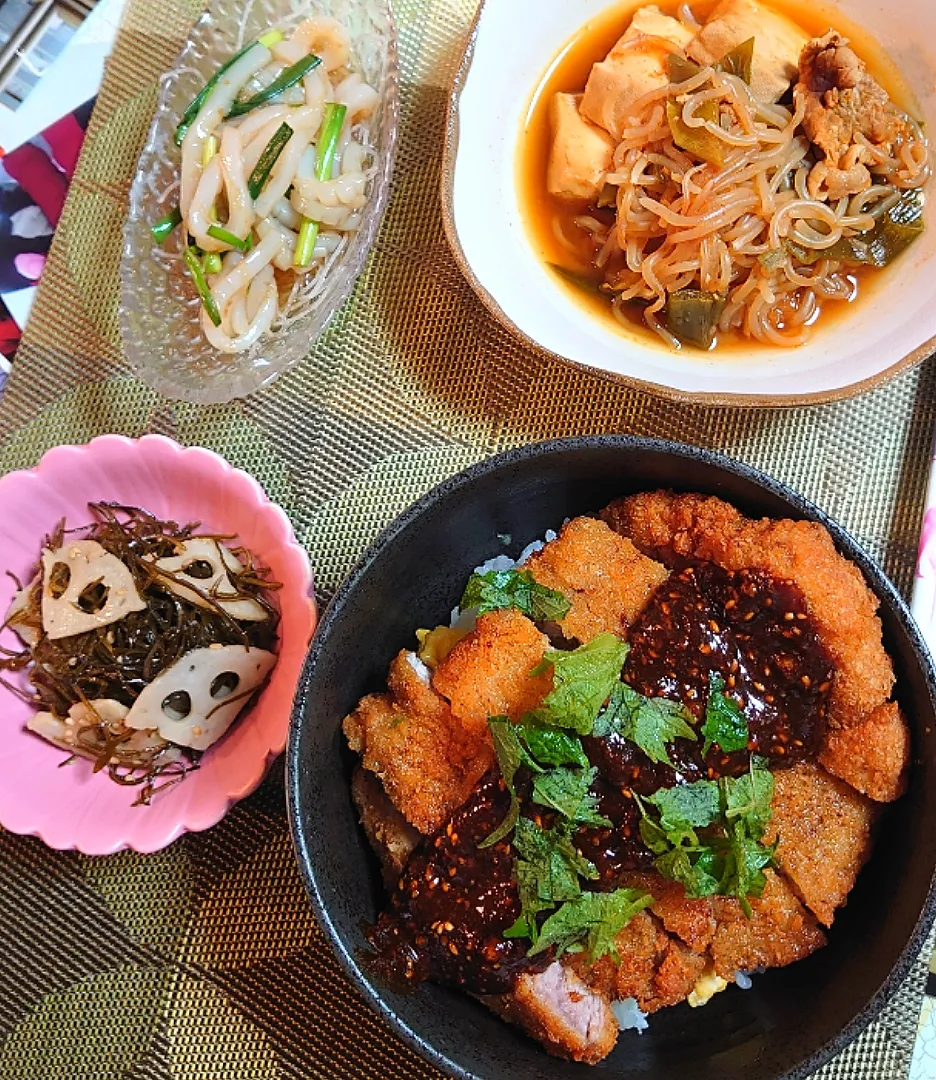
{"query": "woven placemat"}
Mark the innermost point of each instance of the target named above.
(204, 961)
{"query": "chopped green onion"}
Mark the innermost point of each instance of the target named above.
(268, 159)
(332, 123)
(211, 263)
(188, 117)
(201, 285)
(217, 233)
(271, 38)
(209, 149)
(305, 246)
(287, 78)
(162, 228)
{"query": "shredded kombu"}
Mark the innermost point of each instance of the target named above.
(118, 660)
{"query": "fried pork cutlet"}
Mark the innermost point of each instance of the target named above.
(841, 605)
(689, 919)
(427, 758)
(390, 834)
(652, 967)
(780, 931)
(561, 1011)
(604, 577)
(824, 827)
(871, 756)
(488, 672)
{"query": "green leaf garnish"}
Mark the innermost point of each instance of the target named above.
(552, 746)
(567, 790)
(651, 723)
(510, 754)
(547, 872)
(725, 723)
(583, 679)
(518, 589)
(729, 859)
(687, 806)
(593, 918)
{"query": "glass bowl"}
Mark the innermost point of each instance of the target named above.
(159, 309)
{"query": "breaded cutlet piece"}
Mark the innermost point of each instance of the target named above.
(688, 918)
(558, 1009)
(779, 932)
(428, 759)
(824, 827)
(654, 968)
(872, 756)
(390, 834)
(840, 603)
(604, 577)
(488, 672)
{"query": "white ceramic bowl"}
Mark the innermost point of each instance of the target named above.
(512, 45)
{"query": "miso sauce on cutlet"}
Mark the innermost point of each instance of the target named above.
(455, 899)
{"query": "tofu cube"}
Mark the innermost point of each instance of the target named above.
(778, 43)
(653, 23)
(581, 152)
(617, 83)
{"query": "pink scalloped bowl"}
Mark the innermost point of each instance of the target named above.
(72, 808)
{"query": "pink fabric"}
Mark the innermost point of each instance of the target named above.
(39, 178)
(65, 137)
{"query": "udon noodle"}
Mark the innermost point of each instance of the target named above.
(760, 220)
(273, 182)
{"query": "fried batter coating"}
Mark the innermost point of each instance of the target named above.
(390, 834)
(488, 672)
(824, 828)
(690, 919)
(568, 1017)
(428, 759)
(842, 606)
(603, 576)
(779, 932)
(872, 756)
(653, 968)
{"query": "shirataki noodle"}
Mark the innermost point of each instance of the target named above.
(681, 224)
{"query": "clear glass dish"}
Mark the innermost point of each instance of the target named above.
(159, 309)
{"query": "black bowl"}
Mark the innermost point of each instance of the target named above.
(794, 1018)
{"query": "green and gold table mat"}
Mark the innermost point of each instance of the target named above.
(204, 961)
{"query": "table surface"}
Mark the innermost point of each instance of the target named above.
(433, 427)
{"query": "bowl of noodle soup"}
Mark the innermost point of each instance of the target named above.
(197, 173)
(715, 237)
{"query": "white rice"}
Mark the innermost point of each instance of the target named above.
(466, 620)
(629, 1016)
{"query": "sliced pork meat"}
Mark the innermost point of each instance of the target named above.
(560, 1010)
(847, 115)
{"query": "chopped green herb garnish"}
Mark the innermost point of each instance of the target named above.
(593, 918)
(547, 872)
(550, 745)
(583, 679)
(509, 756)
(518, 589)
(728, 861)
(651, 723)
(725, 723)
(567, 790)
